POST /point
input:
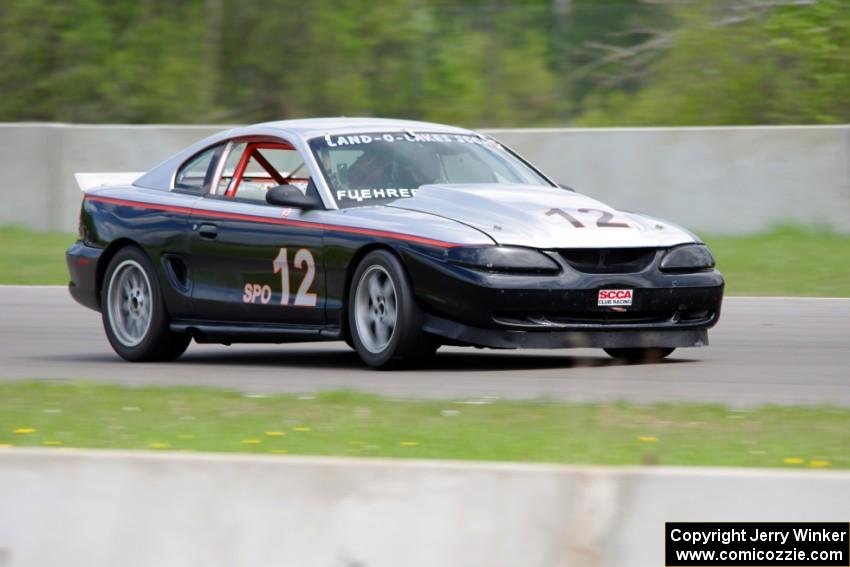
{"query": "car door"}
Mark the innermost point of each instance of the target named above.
(253, 262)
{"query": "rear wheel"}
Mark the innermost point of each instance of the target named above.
(384, 320)
(133, 313)
(635, 355)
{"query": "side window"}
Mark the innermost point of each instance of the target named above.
(253, 168)
(197, 173)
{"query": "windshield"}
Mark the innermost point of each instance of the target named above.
(376, 168)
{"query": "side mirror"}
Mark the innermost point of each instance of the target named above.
(291, 196)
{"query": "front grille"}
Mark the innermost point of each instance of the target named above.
(608, 260)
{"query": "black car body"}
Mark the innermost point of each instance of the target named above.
(256, 235)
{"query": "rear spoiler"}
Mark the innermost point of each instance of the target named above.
(88, 181)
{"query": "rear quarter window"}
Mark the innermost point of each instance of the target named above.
(196, 174)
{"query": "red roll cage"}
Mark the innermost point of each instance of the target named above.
(252, 151)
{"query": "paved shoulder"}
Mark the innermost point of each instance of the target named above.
(764, 350)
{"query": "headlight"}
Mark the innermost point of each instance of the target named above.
(691, 257)
(503, 259)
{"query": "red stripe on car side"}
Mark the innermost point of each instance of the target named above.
(268, 220)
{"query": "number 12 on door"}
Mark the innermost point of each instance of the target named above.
(303, 260)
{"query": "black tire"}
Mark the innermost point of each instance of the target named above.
(407, 345)
(124, 321)
(637, 355)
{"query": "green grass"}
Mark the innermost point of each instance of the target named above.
(344, 423)
(33, 258)
(785, 261)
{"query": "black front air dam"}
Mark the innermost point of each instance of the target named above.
(511, 339)
(505, 301)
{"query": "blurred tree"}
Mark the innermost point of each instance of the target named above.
(96, 61)
(778, 62)
(473, 62)
(606, 46)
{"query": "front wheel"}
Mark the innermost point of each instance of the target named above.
(635, 355)
(384, 320)
(134, 316)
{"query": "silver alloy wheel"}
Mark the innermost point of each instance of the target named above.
(375, 309)
(130, 303)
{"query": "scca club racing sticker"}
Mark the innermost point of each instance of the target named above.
(622, 297)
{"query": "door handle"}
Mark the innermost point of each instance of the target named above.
(207, 230)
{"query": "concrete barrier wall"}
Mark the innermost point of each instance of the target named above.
(718, 180)
(39, 162)
(102, 509)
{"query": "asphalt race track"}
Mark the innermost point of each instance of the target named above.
(764, 350)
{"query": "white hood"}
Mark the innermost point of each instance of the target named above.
(543, 217)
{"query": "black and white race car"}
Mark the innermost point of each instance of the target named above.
(394, 236)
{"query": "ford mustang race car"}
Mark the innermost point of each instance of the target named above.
(395, 236)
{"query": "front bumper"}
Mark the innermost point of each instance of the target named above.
(468, 306)
(82, 261)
